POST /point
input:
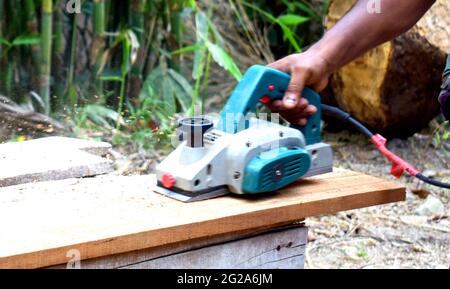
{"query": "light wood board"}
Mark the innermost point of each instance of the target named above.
(52, 158)
(107, 215)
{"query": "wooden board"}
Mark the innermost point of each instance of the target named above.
(104, 216)
(273, 249)
(52, 158)
(276, 250)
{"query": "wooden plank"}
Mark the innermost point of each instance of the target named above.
(112, 215)
(52, 158)
(277, 250)
(141, 256)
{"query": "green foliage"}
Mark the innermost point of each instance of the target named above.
(223, 59)
(21, 40)
(122, 67)
(286, 23)
(97, 116)
(441, 134)
(291, 17)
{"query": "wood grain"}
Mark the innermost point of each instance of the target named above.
(112, 215)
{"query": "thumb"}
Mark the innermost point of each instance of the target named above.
(294, 91)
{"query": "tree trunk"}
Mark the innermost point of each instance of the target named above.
(394, 87)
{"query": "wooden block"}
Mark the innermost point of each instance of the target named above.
(111, 215)
(125, 260)
(277, 250)
(52, 158)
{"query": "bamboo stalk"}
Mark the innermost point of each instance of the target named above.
(137, 22)
(58, 56)
(46, 55)
(33, 29)
(137, 17)
(72, 65)
(98, 43)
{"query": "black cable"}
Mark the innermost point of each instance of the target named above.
(341, 115)
(361, 128)
(346, 117)
(432, 181)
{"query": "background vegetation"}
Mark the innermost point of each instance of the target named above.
(127, 68)
(123, 70)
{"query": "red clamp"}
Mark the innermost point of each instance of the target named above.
(399, 166)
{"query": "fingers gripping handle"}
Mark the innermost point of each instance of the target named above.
(261, 83)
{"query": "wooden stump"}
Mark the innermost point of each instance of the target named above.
(394, 87)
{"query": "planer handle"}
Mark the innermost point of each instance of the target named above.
(263, 84)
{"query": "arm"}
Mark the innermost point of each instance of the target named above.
(353, 35)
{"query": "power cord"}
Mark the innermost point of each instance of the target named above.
(399, 166)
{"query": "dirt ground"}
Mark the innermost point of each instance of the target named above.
(411, 234)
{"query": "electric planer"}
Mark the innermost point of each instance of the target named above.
(241, 154)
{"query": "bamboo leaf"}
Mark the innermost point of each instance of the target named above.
(168, 96)
(183, 90)
(269, 16)
(445, 135)
(190, 4)
(287, 32)
(5, 42)
(292, 19)
(38, 99)
(217, 37)
(199, 62)
(26, 40)
(224, 59)
(186, 49)
(200, 54)
(111, 75)
(101, 115)
(149, 87)
(289, 35)
(202, 27)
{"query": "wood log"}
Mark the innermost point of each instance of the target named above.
(394, 87)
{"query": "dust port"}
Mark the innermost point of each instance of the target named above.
(193, 130)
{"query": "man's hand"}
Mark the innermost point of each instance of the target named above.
(306, 69)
